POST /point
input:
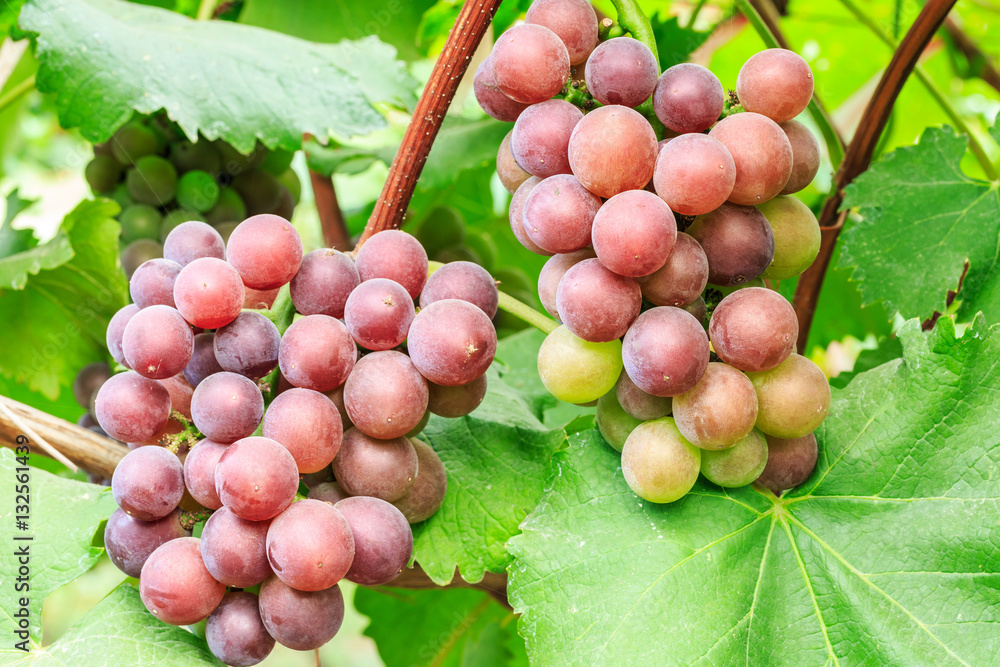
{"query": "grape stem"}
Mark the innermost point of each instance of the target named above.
(526, 313)
(331, 218)
(17, 92)
(206, 10)
(189, 519)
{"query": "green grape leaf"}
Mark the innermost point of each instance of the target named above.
(392, 21)
(886, 555)
(27, 259)
(675, 44)
(118, 631)
(56, 320)
(923, 220)
(453, 627)
(105, 58)
(63, 516)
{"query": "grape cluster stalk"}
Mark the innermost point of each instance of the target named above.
(355, 377)
(663, 249)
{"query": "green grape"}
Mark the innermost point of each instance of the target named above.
(290, 180)
(138, 252)
(133, 141)
(792, 398)
(197, 191)
(286, 203)
(235, 162)
(796, 236)
(121, 195)
(188, 155)
(458, 253)
(140, 221)
(443, 227)
(737, 466)
(514, 278)
(260, 191)
(225, 230)
(578, 371)
(152, 181)
(614, 423)
(230, 208)
(658, 463)
(483, 245)
(102, 174)
(277, 161)
(176, 217)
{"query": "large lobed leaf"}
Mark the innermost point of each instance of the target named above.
(105, 58)
(923, 220)
(64, 294)
(887, 555)
(63, 517)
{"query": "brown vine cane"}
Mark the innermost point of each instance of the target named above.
(859, 155)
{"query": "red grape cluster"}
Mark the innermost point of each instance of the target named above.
(605, 199)
(192, 409)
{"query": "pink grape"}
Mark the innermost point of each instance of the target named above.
(148, 483)
(452, 342)
(762, 153)
(130, 541)
(776, 83)
(259, 299)
(682, 279)
(256, 478)
(621, 71)
(530, 64)
(116, 329)
(574, 21)
(508, 170)
(366, 466)
(226, 407)
(209, 293)
(328, 492)
(596, 304)
(310, 545)
(516, 215)
(192, 240)
(180, 394)
(429, 488)
(248, 345)
(308, 424)
(790, 462)
(385, 395)
(199, 472)
(719, 411)
(665, 351)
(176, 587)
(462, 280)
(754, 329)
(203, 362)
(266, 250)
(378, 314)
(132, 408)
(540, 138)
(613, 149)
(324, 281)
(453, 402)
(694, 174)
(316, 352)
(738, 242)
(494, 102)
(394, 255)
(235, 550)
(634, 233)
(553, 271)
(300, 620)
(688, 98)
(639, 404)
(658, 464)
(235, 633)
(805, 156)
(153, 283)
(157, 342)
(559, 213)
(383, 542)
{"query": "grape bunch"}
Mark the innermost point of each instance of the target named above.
(356, 376)
(161, 179)
(660, 248)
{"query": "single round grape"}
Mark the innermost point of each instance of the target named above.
(130, 541)
(688, 98)
(492, 101)
(621, 71)
(719, 411)
(559, 213)
(385, 395)
(235, 550)
(88, 381)
(235, 162)
(366, 466)
(337, 396)
(451, 342)
(325, 280)
(256, 478)
(227, 406)
(776, 83)
(421, 425)
(157, 342)
(634, 233)
(203, 362)
(138, 252)
(199, 472)
(152, 181)
(574, 21)
(102, 174)
(308, 424)
(383, 542)
(575, 370)
(116, 329)
(793, 398)
(317, 352)
(540, 138)
(192, 240)
(229, 209)
(516, 215)
(429, 488)
(530, 64)
(458, 401)
(613, 422)
(180, 394)
(805, 156)
(132, 408)
(508, 170)
(175, 586)
(300, 620)
(209, 293)
(596, 304)
(132, 141)
(394, 255)
(248, 345)
(261, 193)
(235, 633)
(665, 352)
(313, 479)
(659, 465)
(682, 279)
(638, 403)
(378, 314)
(737, 241)
(613, 149)
(754, 329)
(259, 299)
(738, 465)
(465, 281)
(694, 174)
(552, 273)
(699, 309)
(266, 251)
(187, 155)
(790, 462)
(310, 545)
(761, 152)
(328, 492)
(796, 237)
(140, 221)
(153, 283)
(197, 191)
